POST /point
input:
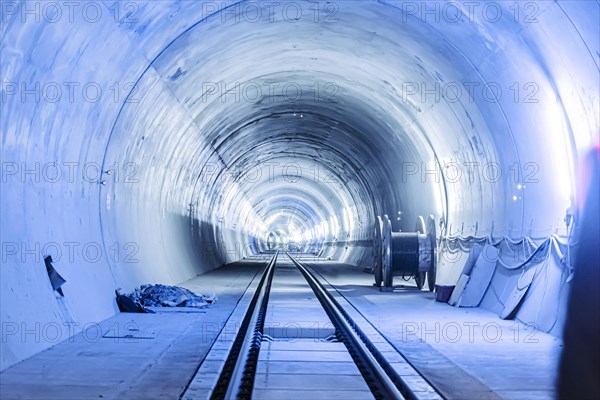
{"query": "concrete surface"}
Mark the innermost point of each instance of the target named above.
(464, 353)
(289, 368)
(308, 369)
(294, 311)
(157, 362)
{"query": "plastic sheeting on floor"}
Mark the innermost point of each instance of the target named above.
(529, 282)
(161, 296)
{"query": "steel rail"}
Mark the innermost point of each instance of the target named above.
(383, 380)
(237, 377)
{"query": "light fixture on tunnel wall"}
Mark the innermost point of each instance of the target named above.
(399, 216)
(405, 254)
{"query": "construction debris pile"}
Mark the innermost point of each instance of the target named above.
(161, 296)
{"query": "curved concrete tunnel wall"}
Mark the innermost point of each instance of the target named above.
(192, 172)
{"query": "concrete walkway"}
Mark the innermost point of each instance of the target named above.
(466, 353)
(156, 361)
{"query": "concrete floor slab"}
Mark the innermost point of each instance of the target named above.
(286, 355)
(307, 367)
(465, 353)
(304, 345)
(312, 395)
(328, 382)
(293, 310)
(89, 366)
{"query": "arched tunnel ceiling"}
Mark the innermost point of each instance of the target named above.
(370, 104)
(367, 112)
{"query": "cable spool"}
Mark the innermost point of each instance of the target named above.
(409, 253)
(377, 251)
(423, 253)
(432, 234)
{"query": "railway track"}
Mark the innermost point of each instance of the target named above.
(291, 337)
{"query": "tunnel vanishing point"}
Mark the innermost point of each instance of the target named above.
(163, 142)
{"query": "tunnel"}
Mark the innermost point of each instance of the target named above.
(160, 142)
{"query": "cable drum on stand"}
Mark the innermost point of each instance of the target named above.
(409, 254)
(386, 246)
(423, 254)
(377, 251)
(432, 236)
